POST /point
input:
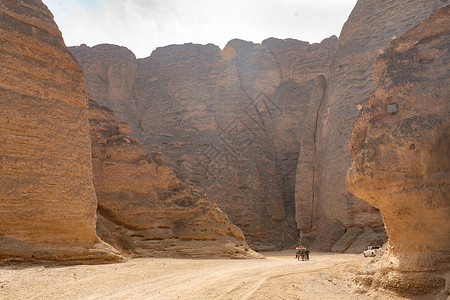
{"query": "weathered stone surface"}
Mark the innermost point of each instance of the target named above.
(47, 199)
(370, 28)
(144, 209)
(401, 162)
(356, 240)
(328, 237)
(304, 181)
(228, 121)
(111, 74)
(263, 128)
(349, 237)
(369, 237)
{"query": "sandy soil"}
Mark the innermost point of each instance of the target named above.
(279, 276)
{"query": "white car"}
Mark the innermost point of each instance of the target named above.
(371, 251)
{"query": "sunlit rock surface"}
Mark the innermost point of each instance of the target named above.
(370, 28)
(143, 209)
(400, 158)
(47, 200)
(226, 120)
(262, 128)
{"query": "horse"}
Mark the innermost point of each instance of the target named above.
(301, 254)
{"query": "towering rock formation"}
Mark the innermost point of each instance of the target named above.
(370, 28)
(401, 161)
(228, 121)
(47, 199)
(262, 127)
(111, 76)
(144, 209)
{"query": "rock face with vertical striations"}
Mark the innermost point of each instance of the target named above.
(262, 127)
(143, 209)
(47, 200)
(370, 28)
(111, 76)
(401, 161)
(227, 120)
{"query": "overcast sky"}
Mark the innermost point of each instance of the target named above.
(143, 25)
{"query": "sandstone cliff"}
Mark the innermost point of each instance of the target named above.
(47, 199)
(144, 209)
(263, 128)
(370, 28)
(229, 121)
(401, 162)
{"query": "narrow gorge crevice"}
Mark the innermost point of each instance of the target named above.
(317, 113)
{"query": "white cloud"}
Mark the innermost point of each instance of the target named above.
(143, 25)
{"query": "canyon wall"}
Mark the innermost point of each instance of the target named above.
(47, 200)
(401, 162)
(327, 210)
(262, 128)
(145, 210)
(228, 121)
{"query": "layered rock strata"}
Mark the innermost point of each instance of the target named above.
(144, 209)
(370, 28)
(401, 162)
(47, 200)
(228, 121)
(262, 127)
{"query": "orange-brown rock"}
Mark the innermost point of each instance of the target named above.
(111, 76)
(144, 209)
(400, 157)
(370, 28)
(228, 121)
(47, 199)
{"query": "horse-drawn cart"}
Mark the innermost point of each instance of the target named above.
(302, 253)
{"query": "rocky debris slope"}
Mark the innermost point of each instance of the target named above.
(370, 28)
(400, 158)
(229, 121)
(144, 209)
(47, 199)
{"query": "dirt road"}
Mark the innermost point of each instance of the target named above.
(279, 276)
